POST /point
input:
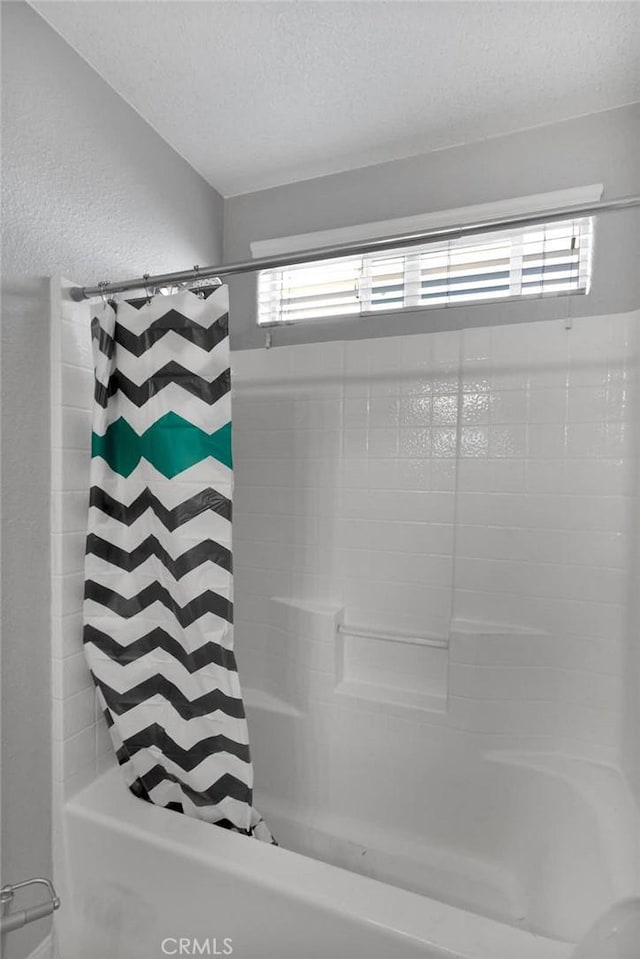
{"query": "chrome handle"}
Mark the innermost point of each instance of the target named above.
(15, 920)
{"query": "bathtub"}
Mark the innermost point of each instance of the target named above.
(141, 882)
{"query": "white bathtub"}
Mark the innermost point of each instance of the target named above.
(136, 879)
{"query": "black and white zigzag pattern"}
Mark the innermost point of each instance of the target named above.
(158, 587)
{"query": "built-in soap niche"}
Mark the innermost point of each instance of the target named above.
(398, 668)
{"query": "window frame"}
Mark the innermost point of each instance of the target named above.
(367, 313)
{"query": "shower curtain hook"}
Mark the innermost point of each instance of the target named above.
(145, 277)
(104, 284)
(199, 292)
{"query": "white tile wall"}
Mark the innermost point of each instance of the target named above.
(481, 476)
(351, 471)
(80, 742)
(547, 546)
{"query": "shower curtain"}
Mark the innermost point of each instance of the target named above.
(158, 610)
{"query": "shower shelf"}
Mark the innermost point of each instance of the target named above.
(391, 666)
(411, 639)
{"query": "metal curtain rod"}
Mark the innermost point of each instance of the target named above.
(379, 245)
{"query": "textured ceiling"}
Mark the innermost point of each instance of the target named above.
(255, 94)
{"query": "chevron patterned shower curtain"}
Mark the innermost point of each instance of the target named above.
(158, 632)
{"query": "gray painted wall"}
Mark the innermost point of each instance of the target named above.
(601, 148)
(89, 192)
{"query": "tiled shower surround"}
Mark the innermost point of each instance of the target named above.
(82, 747)
(473, 486)
(474, 489)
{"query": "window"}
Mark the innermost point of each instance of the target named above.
(539, 260)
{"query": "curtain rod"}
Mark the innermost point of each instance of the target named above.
(379, 245)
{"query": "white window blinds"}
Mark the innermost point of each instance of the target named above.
(538, 260)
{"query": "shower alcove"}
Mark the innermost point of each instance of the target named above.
(431, 573)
